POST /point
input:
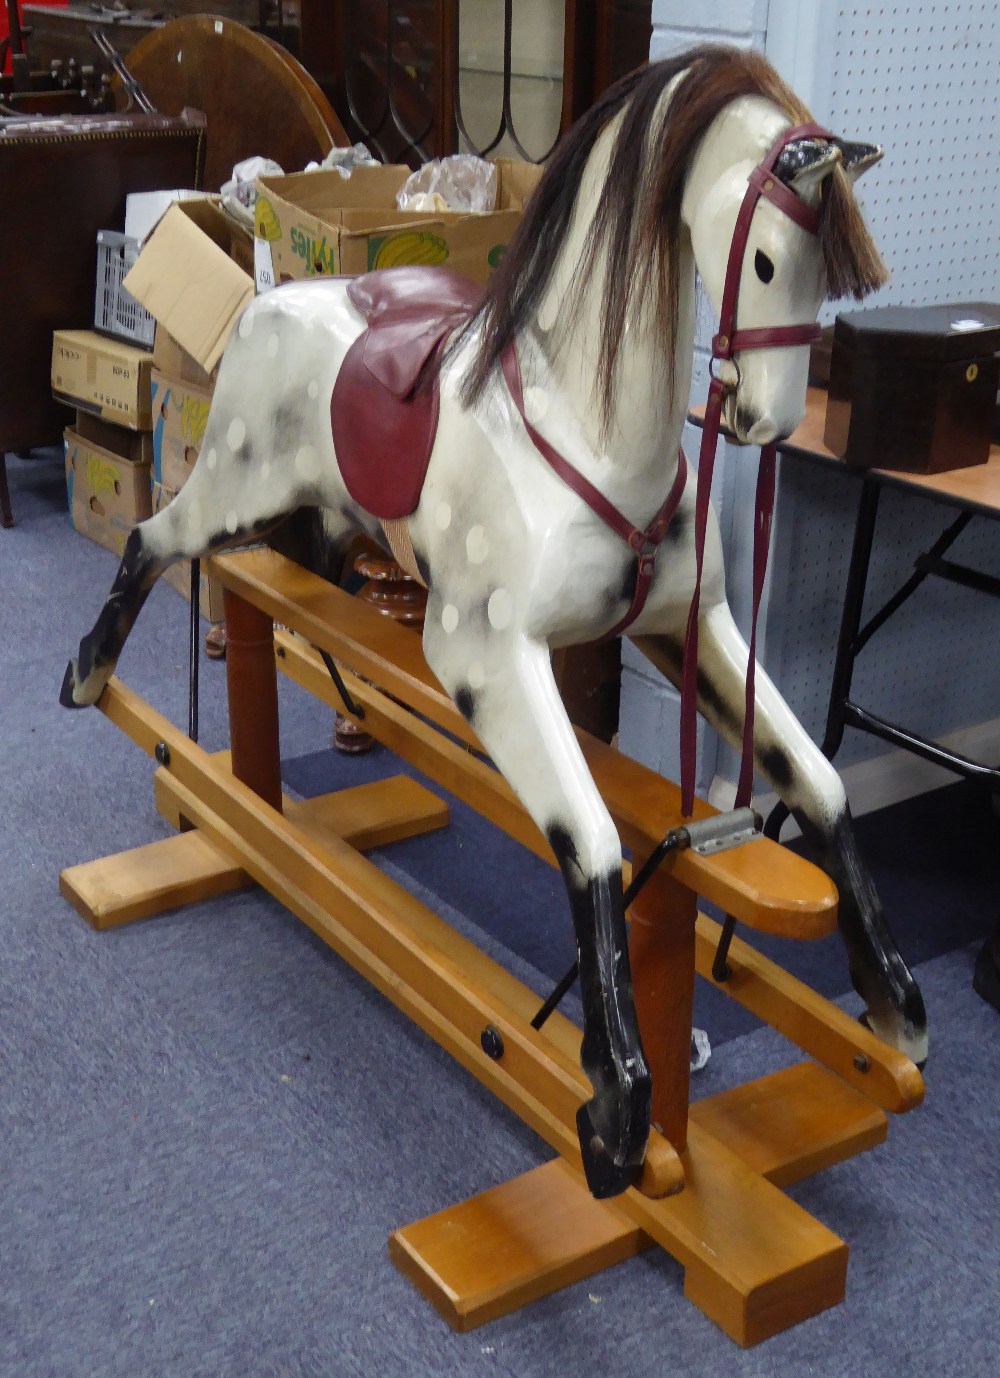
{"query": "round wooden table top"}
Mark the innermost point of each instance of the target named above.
(256, 97)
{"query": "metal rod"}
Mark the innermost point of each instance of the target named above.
(854, 598)
(944, 541)
(355, 709)
(960, 574)
(194, 637)
(676, 839)
(919, 746)
(721, 970)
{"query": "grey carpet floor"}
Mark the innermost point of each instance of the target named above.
(209, 1125)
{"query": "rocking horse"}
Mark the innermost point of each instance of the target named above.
(543, 498)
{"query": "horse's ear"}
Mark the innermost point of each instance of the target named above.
(803, 164)
(858, 158)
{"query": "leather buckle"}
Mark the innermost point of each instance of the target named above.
(647, 564)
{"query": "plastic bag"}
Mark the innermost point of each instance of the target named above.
(239, 194)
(701, 1049)
(462, 182)
(343, 160)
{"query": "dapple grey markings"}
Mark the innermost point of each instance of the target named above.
(596, 293)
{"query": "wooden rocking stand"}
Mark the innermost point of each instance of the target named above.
(753, 1260)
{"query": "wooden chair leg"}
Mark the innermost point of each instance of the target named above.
(6, 515)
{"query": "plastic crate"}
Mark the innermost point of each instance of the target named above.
(116, 312)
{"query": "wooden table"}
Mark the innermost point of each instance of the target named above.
(973, 492)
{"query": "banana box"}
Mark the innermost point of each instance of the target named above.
(311, 224)
(107, 493)
(178, 575)
(180, 414)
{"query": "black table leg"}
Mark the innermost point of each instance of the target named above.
(847, 647)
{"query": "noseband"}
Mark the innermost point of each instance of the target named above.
(762, 183)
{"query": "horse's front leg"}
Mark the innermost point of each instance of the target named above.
(504, 687)
(809, 786)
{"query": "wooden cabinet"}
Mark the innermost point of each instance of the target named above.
(402, 76)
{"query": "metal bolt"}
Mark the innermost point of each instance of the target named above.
(162, 753)
(279, 651)
(862, 1063)
(492, 1043)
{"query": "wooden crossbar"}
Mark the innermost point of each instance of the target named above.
(762, 884)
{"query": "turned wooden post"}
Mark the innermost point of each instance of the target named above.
(394, 593)
(252, 684)
(661, 953)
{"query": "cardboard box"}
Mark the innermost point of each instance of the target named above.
(178, 576)
(106, 377)
(319, 223)
(135, 446)
(107, 494)
(180, 414)
(188, 280)
(144, 208)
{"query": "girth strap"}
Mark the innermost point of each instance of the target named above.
(643, 543)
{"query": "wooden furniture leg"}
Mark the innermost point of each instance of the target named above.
(6, 514)
(252, 686)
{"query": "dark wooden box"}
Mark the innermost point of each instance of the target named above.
(914, 388)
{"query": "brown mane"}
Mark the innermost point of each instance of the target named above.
(638, 221)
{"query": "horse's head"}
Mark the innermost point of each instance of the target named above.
(779, 279)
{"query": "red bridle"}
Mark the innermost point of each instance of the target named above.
(762, 183)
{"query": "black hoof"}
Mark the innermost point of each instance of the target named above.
(66, 692)
(607, 1174)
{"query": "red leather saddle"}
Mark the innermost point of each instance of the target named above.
(384, 409)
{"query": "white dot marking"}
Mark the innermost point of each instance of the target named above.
(442, 516)
(313, 389)
(246, 325)
(232, 522)
(449, 618)
(500, 609)
(236, 434)
(211, 458)
(477, 545)
(477, 675)
(307, 463)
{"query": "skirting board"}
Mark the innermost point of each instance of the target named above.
(886, 779)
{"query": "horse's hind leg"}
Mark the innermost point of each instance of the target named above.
(89, 672)
(511, 700)
(810, 787)
(186, 529)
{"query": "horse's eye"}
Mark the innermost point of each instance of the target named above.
(764, 266)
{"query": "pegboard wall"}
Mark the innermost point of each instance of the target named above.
(920, 78)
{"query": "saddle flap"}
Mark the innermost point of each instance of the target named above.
(396, 354)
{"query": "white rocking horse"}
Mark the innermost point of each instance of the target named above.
(558, 402)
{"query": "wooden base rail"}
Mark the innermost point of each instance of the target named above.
(710, 1193)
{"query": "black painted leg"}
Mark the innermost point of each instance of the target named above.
(613, 1125)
